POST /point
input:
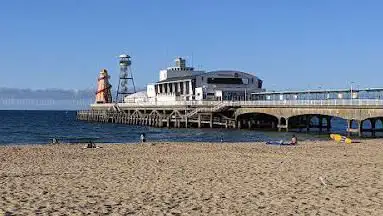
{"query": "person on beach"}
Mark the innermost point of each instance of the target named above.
(293, 140)
(91, 144)
(55, 141)
(143, 138)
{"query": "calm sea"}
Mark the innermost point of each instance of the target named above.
(39, 127)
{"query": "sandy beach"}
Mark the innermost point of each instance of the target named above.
(313, 178)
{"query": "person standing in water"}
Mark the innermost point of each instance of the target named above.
(293, 140)
(143, 138)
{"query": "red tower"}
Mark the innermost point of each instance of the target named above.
(103, 94)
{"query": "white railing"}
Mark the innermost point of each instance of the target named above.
(221, 104)
(335, 102)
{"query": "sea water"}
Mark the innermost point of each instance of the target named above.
(40, 127)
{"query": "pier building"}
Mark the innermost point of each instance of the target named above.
(183, 83)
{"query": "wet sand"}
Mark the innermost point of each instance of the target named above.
(316, 178)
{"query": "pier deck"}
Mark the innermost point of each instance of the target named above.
(279, 115)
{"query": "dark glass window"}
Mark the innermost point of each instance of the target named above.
(224, 80)
(259, 83)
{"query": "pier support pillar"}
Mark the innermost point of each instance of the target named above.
(308, 118)
(211, 120)
(168, 122)
(249, 124)
(199, 120)
(226, 124)
(160, 122)
(239, 124)
(328, 126)
(186, 122)
(373, 126)
(287, 124)
(349, 124)
(320, 124)
(360, 128)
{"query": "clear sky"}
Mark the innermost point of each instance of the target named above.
(290, 44)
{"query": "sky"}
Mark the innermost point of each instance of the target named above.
(290, 44)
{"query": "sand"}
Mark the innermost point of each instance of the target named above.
(313, 178)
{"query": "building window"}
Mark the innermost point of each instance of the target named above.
(259, 83)
(211, 80)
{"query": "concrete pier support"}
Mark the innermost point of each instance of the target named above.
(287, 124)
(328, 123)
(199, 120)
(283, 126)
(320, 124)
(360, 128)
(160, 122)
(373, 126)
(239, 124)
(349, 124)
(211, 120)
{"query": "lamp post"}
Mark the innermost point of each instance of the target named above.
(351, 93)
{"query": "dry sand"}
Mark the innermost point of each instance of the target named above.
(317, 178)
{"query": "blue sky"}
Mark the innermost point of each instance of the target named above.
(290, 44)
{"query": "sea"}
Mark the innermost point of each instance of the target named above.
(40, 127)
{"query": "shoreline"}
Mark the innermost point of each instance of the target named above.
(305, 140)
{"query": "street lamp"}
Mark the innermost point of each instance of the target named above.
(351, 95)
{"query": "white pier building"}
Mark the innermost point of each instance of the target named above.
(182, 83)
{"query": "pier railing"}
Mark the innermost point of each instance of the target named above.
(221, 104)
(335, 102)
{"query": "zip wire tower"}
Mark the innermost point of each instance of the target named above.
(126, 77)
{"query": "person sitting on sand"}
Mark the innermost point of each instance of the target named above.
(293, 140)
(142, 138)
(91, 144)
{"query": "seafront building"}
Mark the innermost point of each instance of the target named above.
(183, 83)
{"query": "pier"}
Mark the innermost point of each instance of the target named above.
(188, 98)
(280, 115)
